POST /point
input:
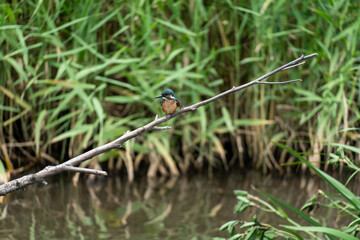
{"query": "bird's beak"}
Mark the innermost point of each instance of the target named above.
(158, 96)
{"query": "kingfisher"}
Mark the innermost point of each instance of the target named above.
(169, 102)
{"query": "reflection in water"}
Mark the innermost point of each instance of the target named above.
(176, 208)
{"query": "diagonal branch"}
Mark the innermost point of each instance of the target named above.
(39, 177)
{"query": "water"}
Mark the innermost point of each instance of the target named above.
(179, 208)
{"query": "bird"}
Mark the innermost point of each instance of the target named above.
(169, 102)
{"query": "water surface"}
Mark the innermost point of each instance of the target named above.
(169, 208)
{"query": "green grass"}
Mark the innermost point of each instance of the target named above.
(77, 74)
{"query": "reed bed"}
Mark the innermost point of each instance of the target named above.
(77, 74)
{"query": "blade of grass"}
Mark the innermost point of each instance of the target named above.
(328, 231)
(3, 172)
(350, 148)
(72, 133)
(38, 131)
(177, 28)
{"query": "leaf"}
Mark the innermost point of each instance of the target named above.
(306, 117)
(17, 67)
(9, 109)
(235, 237)
(325, 16)
(17, 99)
(198, 87)
(72, 133)
(38, 5)
(98, 108)
(68, 24)
(248, 224)
(63, 104)
(38, 131)
(165, 153)
(252, 122)
(122, 99)
(355, 222)
(240, 193)
(63, 118)
(229, 226)
(349, 30)
(324, 48)
(70, 52)
(16, 117)
(325, 230)
(3, 172)
(240, 207)
(243, 199)
(85, 72)
(352, 226)
(349, 129)
(245, 10)
(251, 60)
(67, 84)
(176, 28)
(270, 234)
(103, 22)
(173, 54)
(227, 119)
(309, 96)
(299, 213)
(116, 82)
(350, 148)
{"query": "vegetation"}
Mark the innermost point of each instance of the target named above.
(78, 74)
(73, 80)
(344, 201)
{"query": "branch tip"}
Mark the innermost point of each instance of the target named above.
(310, 55)
(285, 82)
(85, 170)
(295, 65)
(161, 128)
(43, 182)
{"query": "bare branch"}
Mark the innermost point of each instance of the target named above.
(286, 82)
(85, 170)
(310, 56)
(69, 165)
(43, 182)
(295, 65)
(161, 128)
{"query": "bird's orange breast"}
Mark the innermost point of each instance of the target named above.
(168, 106)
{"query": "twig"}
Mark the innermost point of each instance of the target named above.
(69, 165)
(286, 82)
(85, 170)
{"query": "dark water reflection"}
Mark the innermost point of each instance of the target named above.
(182, 208)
